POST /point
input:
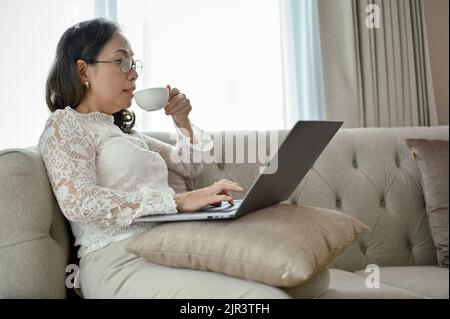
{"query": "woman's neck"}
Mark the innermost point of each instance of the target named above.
(86, 108)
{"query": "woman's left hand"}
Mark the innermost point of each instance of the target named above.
(178, 106)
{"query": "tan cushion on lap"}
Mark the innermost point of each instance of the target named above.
(283, 245)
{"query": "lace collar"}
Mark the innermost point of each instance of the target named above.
(104, 117)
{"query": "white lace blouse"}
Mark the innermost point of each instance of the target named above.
(103, 178)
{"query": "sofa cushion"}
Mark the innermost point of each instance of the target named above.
(367, 173)
(282, 245)
(348, 285)
(432, 159)
(313, 288)
(177, 182)
(34, 242)
(428, 281)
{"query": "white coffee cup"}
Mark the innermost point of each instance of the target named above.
(152, 99)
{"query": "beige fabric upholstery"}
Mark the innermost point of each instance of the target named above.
(432, 159)
(34, 242)
(113, 272)
(177, 182)
(367, 173)
(282, 245)
(347, 285)
(428, 281)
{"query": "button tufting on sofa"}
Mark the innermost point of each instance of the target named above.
(409, 246)
(363, 249)
(399, 241)
(382, 202)
(51, 232)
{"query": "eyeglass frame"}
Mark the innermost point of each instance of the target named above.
(133, 65)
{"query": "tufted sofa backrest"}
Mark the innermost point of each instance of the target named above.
(368, 173)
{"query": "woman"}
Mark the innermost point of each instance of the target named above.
(104, 174)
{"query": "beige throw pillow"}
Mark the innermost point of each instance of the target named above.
(432, 159)
(282, 245)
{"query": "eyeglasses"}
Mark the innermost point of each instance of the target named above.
(125, 64)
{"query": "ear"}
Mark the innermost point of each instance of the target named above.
(82, 70)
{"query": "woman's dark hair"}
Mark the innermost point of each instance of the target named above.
(83, 41)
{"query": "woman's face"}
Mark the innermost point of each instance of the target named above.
(111, 89)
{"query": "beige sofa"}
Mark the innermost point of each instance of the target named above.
(367, 173)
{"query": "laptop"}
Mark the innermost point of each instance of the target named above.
(295, 156)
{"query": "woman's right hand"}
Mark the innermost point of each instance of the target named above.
(203, 197)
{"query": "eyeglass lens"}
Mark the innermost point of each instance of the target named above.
(128, 64)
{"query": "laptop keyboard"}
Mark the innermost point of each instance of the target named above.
(224, 208)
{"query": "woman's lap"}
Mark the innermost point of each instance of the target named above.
(112, 272)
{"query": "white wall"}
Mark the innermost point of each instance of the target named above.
(29, 33)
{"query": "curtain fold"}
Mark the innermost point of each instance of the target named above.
(106, 9)
(301, 63)
(376, 77)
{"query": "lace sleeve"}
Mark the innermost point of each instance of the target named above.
(69, 154)
(184, 157)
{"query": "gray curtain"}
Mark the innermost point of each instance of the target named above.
(376, 77)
